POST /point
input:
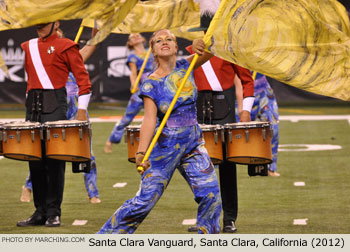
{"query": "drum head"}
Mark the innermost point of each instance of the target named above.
(208, 127)
(21, 125)
(246, 125)
(133, 128)
(66, 124)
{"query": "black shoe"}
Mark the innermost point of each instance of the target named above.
(34, 220)
(53, 221)
(229, 227)
(192, 229)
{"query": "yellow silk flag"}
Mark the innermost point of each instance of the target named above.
(295, 42)
(153, 15)
(16, 14)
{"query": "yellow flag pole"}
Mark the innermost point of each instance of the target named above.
(80, 31)
(141, 71)
(254, 75)
(206, 40)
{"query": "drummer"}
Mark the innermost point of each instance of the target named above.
(216, 105)
(48, 61)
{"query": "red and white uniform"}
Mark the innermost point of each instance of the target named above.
(218, 75)
(48, 63)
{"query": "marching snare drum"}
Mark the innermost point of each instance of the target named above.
(213, 137)
(133, 138)
(248, 142)
(68, 140)
(22, 140)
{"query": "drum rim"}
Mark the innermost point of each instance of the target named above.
(212, 127)
(131, 128)
(244, 125)
(63, 125)
(17, 127)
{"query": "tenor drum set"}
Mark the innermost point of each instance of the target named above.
(244, 142)
(68, 140)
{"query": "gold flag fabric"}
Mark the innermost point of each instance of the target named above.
(304, 43)
(149, 16)
(16, 14)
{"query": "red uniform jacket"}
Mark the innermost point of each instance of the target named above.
(225, 73)
(59, 56)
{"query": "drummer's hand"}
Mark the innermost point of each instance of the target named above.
(244, 116)
(145, 165)
(198, 46)
(81, 115)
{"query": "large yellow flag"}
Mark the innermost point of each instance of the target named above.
(153, 15)
(24, 13)
(304, 43)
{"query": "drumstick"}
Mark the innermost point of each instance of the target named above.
(141, 70)
(206, 40)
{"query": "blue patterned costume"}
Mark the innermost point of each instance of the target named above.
(91, 177)
(135, 103)
(265, 109)
(181, 146)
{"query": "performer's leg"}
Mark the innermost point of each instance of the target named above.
(90, 180)
(26, 190)
(200, 174)
(135, 104)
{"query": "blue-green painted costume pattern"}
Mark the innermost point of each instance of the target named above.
(265, 109)
(135, 103)
(90, 178)
(180, 146)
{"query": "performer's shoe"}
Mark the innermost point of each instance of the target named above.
(95, 200)
(53, 221)
(108, 147)
(273, 174)
(34, 220)
(192, 229)
(26, 194)
(229, 227)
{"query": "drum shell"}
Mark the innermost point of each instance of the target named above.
(25, 149)
(133, 139)
(255, 151)
(213, 142)
(63, 142)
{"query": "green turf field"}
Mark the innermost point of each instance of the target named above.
(266, 204)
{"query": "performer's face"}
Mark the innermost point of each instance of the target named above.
(164, 44)
(135, 38)
(44, 29)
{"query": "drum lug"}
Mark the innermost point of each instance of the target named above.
(81, 133)
(5, 136)
(230, 136)
(222, 136)
(264, 134)
(64, 134)
(48, 135)
(131, 138)
(216, 137)
(18, 133)
(246, 135)
(41, 134)
(33, 135)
